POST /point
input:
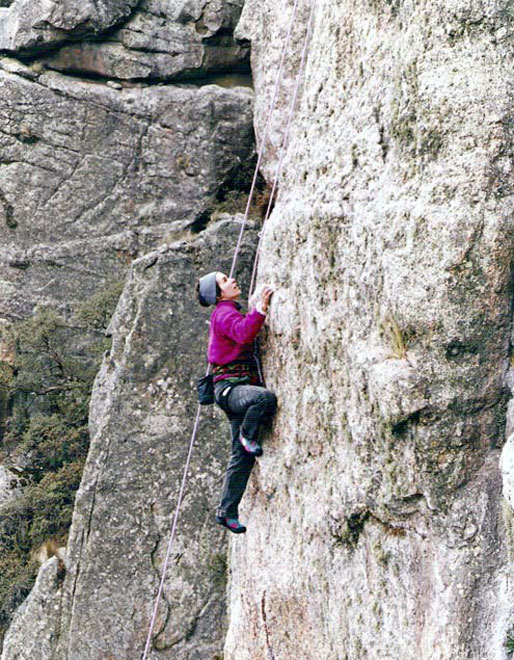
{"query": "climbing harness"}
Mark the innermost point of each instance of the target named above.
(234, 260)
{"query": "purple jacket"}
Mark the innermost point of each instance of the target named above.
(231, 333)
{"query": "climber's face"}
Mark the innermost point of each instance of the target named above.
(228, 287)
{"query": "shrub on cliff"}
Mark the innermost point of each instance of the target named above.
(46, 390)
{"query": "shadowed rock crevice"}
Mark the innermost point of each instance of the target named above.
(7, 213)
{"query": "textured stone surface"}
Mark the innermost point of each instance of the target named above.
(507, 469)
(142, 415)
(375, 516)
(376, 512)
(41, 611)
(106, 175)
(166, 40)
(9, 485)
(28, 25)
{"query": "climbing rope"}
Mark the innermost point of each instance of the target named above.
(236, 252)
(172, 535)
(265, 136)
(285, 143)
(278, 173)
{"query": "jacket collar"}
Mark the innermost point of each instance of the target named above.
(237, 305)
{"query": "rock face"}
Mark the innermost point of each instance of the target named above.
(162, 40)
(41, 612)
(145, 40)
(376, 524)
(142, 413)
(116, 171)
(376, 513)
(26, 25)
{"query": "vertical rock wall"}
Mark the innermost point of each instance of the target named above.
(142, 412)
(376, 525)
(101, 163)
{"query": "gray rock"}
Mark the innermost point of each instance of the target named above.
(170, 41)
(397, 390)
(142, 415)
(375, 517)
(9, 485)
(28, 25)
(507, 469)
(12, 65)
(40, 608)
(106, 175)
(376, 514)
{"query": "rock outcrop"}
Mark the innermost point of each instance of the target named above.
(107, 175)
(376, 522)
(126, 39)
(40, 612)
(162, 40)
(29, 25)
(376, 514)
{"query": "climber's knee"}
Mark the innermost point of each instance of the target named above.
(269, 402)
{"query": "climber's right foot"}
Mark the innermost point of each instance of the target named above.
(250, 446)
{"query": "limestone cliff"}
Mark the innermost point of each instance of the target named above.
(376, 522)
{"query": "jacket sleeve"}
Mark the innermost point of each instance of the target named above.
(240, 329)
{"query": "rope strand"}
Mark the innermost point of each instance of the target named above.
(285, 143)
(234, 261)
(265, 137)
(172, 536)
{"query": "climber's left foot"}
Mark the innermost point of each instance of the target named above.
(232, 524)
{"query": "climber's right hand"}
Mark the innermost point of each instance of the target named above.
(266, 294)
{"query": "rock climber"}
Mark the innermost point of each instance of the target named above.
(238, 389)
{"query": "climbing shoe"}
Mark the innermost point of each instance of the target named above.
(232, 524)
(250, 446)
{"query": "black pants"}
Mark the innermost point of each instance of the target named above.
(246, 406)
